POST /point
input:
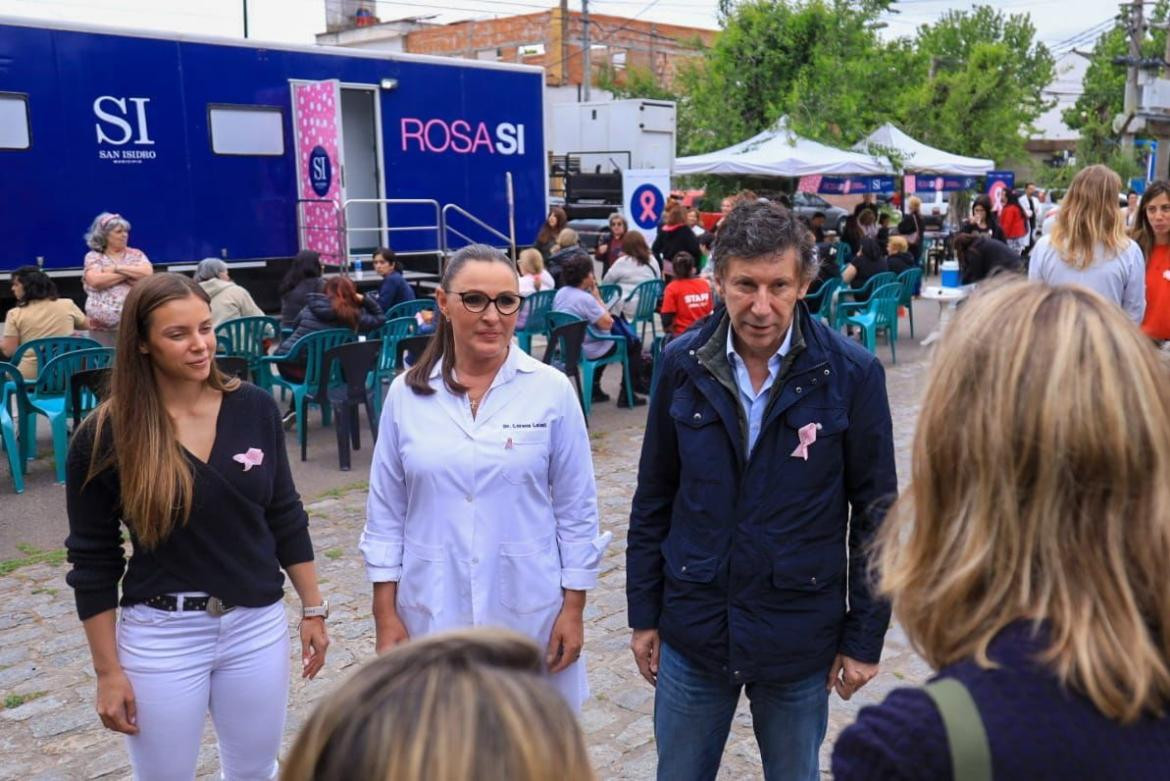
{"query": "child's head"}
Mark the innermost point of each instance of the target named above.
(684, 265)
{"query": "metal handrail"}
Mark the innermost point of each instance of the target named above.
(440, 238)
(509, 241)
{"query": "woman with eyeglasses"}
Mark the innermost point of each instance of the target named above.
(609, 246)
(482, 507)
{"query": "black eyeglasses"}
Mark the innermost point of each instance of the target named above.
(476, 302)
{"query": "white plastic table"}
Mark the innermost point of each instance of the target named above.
(947, 298)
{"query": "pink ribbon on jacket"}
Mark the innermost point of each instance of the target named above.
(254, 457)
(808, 435)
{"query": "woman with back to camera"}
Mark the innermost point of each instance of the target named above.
(482, 507)
(1013, 222)
(468, 705)
(38, 314)
(1088, 245)
(194, 464)
(1152, 233)
(674, 236)
(635, 266)
(1027, 560)
(112, 267)
(302, 278)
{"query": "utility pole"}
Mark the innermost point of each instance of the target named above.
(587, 77)
(1162, 153)
(1131, 80)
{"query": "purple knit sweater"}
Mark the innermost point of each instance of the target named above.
(1036, 729)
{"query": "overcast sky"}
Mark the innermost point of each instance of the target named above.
(1057, 21)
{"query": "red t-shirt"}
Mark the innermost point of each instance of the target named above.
(689, 300)
(1156, 323)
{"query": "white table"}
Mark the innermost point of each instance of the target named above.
(947, 298)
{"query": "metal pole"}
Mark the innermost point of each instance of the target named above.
(1162, 153)
(511, 213)
(245, 18)
(1131, 79)
(587, 78)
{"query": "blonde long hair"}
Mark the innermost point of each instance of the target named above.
(154, 474)
(1089, 217)
(457, 705)
(1048, 500)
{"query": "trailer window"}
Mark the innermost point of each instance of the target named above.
(246, 130)
(14, 129)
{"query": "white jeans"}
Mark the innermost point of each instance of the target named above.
(184, 664)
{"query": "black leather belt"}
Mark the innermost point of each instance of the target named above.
(170, 603)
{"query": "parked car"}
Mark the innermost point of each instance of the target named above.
(808, 204)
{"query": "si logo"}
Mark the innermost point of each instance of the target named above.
(320, 171)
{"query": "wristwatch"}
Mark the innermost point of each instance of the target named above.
(320, 611)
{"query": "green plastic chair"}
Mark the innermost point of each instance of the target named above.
(535, 307)
(820, 303)
(309, 350)
(880, 314)
(410, 308)
(610, 294)
(648, 293)
(12, 391)
(909, 280)
(843, 255)
(555, 319)
(50, 396)
(859, 296)
(244, 338)
(49, 348)
(389, 334)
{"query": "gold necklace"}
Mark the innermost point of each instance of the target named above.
(474, 404)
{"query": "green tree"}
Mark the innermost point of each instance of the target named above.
(818, 61)
(1103, 96)
(976, 81)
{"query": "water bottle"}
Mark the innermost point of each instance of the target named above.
(357, 269)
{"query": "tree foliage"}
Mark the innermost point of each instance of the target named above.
(970, 83)
(1103, 96)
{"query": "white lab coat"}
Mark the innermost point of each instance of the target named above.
(482, 521)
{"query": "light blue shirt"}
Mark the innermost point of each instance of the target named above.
(754, 403)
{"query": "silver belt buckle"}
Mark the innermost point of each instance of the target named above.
(215, 607)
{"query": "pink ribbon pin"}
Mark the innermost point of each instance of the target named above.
(254, 457)
(808, 435)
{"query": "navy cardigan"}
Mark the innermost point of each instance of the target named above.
(1036, 728)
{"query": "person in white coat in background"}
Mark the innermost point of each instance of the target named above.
(482, 507)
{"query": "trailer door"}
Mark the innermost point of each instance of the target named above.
(316, 112)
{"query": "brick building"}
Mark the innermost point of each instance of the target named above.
(550, 38)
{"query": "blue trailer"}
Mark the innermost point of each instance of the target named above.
(249, 151)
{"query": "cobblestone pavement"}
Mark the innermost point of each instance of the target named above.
(55, 733)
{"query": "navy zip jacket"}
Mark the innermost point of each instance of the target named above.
(744, 564)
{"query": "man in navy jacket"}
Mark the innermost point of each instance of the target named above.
(767, 466)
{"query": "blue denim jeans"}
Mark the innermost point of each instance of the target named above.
(693, 710)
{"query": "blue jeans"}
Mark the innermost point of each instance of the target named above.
(693, 710)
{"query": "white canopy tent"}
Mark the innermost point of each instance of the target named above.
(919, 158)
(779, 152)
